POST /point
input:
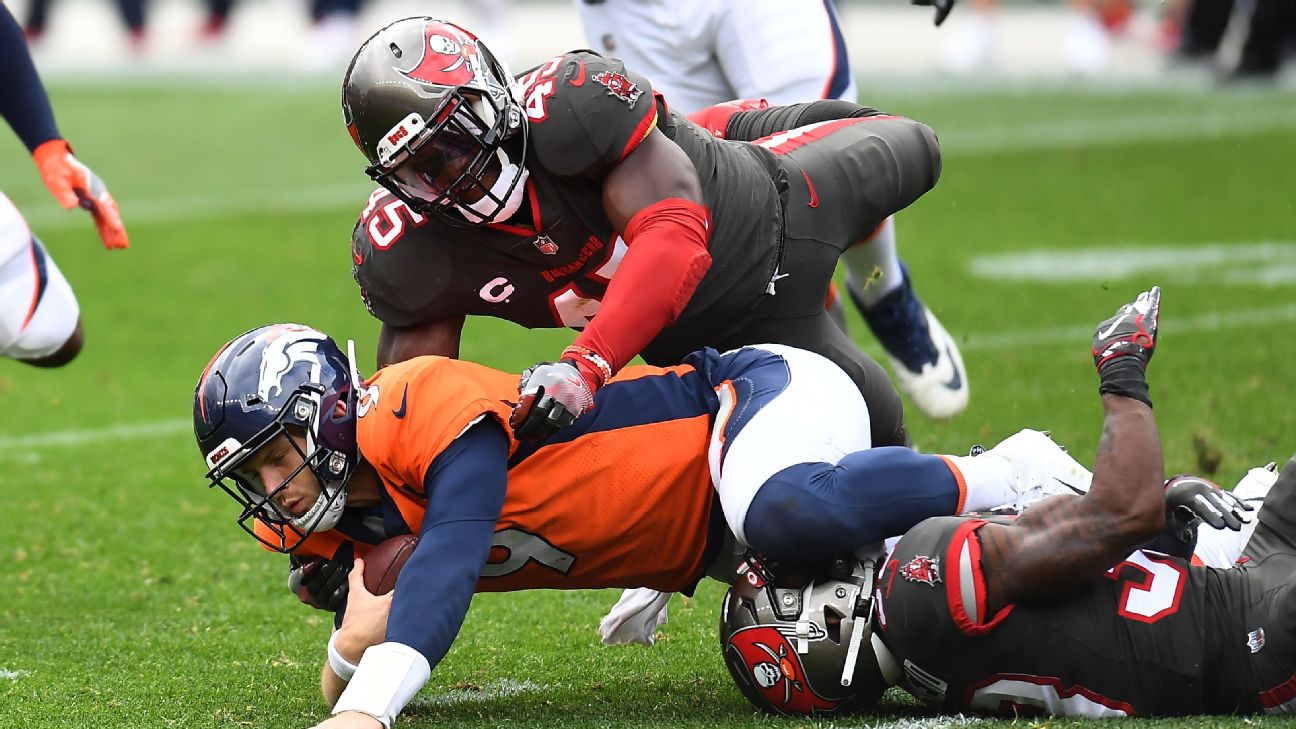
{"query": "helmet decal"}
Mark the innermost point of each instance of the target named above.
(777, 671)
(287, 347)
(449, 57)
(259, 384)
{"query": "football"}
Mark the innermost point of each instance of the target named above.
(383, 563)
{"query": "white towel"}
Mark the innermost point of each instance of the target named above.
(635, 617)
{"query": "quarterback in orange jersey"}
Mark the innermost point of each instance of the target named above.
(669, 474)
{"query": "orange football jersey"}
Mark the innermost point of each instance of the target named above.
(622, 498)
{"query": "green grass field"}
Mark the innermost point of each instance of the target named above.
(130, 599)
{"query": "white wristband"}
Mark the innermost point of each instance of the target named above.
(387, 678)
(341, 666)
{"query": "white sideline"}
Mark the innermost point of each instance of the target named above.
(15, 446)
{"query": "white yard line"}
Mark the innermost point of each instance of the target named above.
(191, 207)
(1173, 326)
(495, 690)
(1154, 128)
(16, 447)
(1031, 136)
(1260, 263)
(927, 722)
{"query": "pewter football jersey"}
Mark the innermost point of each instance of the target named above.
(585, 114)
(1132, 643)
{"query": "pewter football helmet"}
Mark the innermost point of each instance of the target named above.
(802, 645)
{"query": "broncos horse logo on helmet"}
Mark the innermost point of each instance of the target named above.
(434, 112)
(260, 384)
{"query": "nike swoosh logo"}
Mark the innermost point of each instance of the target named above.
(956, 380)
(355, 254)
(1108, 331)
(1073, 488)
(400, 411)
(579, 79)
(814, 196)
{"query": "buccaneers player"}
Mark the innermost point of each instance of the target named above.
(1059, 613)
(572, 196)
(673, 471)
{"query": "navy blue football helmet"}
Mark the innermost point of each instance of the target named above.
(257, 386)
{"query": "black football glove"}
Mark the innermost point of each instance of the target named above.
(1123, 346)
(322, 583)
(1194, 499)
(943, 8)
(551, 396)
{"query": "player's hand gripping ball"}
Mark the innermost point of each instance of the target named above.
(383, 563)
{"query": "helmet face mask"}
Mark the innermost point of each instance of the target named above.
(432, 109)
(282, 387)
(801, 643)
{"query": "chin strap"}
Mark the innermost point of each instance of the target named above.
(862, 621)
(357, 384)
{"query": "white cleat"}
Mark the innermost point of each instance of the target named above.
(1041, 468)
(1255, 485)
(940, 390)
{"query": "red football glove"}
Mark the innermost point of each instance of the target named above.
(72, 184)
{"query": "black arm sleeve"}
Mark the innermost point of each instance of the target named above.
(747, 126)
(23, 102)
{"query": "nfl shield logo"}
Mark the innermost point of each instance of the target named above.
(545, 245)
(922, 569)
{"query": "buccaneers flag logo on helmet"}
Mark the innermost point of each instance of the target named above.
(777, 672)
(449, 56)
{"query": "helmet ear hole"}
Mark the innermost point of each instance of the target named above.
(832, 623)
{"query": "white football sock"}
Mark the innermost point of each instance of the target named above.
(988, 479)
(872, 266)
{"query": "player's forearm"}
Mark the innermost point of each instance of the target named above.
(1062, 542)
(1129, 473)
(666, 261)
(345, 647)
(331, 685)
(23, 102)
